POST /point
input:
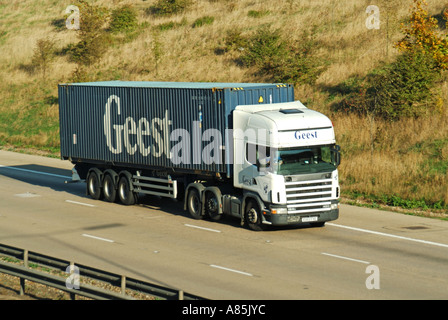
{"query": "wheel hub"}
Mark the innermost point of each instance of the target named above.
(252, 216)
(212, 205)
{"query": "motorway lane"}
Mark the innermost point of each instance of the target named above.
(157, 241)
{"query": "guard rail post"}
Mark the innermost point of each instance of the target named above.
(22, 280)
(123, 284)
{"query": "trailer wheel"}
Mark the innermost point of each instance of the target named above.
(109, 190)
(253, 217)
(212, 206)
(194, 204)
(125, 194)
(94, 185)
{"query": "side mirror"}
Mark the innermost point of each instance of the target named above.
(337, 155)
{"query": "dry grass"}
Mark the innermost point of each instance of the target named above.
(408, 156)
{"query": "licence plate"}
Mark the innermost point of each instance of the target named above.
(309, 219)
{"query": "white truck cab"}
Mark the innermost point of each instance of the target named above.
(286, 154)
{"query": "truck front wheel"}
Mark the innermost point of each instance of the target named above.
(194, 204)
(253, 217)
(212, 206)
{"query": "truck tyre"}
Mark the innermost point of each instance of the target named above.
(253, 216)
(125, 194)
(194, 204)
(109, 190)
(94, 185)
(212, 206)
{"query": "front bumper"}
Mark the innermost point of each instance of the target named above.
(283, 219)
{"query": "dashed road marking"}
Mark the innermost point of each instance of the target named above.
(97, 238)
(345, 258)
(390, 235)
(232, 270)
(80, 203)
(202, 228)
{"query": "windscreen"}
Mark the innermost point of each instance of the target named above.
(290, 161)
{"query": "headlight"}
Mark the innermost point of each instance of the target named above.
(279, 210)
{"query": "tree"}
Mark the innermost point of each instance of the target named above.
(157, 49)
(421, 34)
(43, 55)
(406, 87)
(389, 21)
(93, 38)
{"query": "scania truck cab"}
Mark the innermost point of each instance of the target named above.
(286, 164)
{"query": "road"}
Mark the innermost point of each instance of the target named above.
(365, 254)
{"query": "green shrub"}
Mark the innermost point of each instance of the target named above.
(235, 40)
(283, 61)
(124, 19)
(199, 22)
(169, 7)
(171, 25)
(166, 26)
(403, 88)
(258, 13)
(263, 49)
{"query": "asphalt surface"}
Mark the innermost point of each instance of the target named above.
(365, 254)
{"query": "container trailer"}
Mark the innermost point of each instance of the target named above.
(247, 150)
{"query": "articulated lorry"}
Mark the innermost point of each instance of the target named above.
(240, 149)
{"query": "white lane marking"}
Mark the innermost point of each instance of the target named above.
(345, 258)
(232, 270)
(97, 238)
(202, 228)
(27, 195)
(33, 171)
(80, 203)
(389, 235)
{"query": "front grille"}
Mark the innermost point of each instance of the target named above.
(307, 197)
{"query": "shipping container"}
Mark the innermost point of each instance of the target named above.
(146, 113)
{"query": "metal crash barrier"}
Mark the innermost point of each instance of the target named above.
(24, 272)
